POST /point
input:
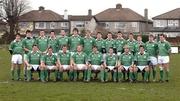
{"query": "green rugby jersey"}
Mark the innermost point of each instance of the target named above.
(64, 58)
(131, 45)
(164, 48)
(80, 58)
(62, 40)
(53, 43)
(137, 44)
(126, 59)
(28, 43)
(111, 60)
(49, 60)
(16, 47)
(100, 43)
(119, 44)
(142, 59)
(151, 48)
(42, 43)
(33, 58)
(74, 41)
(95, 58)
(109, 43)
(88, 43)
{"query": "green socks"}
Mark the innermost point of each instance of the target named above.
(114, 76)
(119, 76)
(102, 75)
(167, 75)
(28, 75)
(161, 75)
(88, 75)
(135, 75)
(18, 73)
(42, 75)
(12, 74)
(75, 75)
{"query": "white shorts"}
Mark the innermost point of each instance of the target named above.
(111, 67)
(72, 53)
(96, 67)
(55, 54)
(16, 59)
(153, 60)
(50, 67)
(126, 67)
(81, 66)
(118, 53)
(35, 67)
(141, 67)
(163, 59)
(65, 67)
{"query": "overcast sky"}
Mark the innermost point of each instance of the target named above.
(80, 7)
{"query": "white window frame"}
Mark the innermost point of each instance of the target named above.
(37, 25)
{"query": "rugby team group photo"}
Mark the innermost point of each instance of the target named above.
(59, 57)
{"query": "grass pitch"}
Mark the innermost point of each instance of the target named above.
(93, 91)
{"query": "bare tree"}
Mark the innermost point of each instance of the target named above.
(11, 10)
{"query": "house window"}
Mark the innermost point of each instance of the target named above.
(40, 25)
(173, 23)
(119, 25)
(107, 25)
(134, 24)
(80, 24)
(53, 25)
(64, 24)
(160, 23)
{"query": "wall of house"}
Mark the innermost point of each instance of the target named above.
(51, 25)
(120, 26)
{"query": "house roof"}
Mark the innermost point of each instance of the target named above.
(41, 15)
(173, 14)
(119, 14)
(80, 17)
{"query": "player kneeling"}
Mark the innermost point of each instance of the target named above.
(49, 63)
(79, 63)
(126, 63)
(111, 65)
(32, 62)
(95, 60)
(141, 62)
(64, 66)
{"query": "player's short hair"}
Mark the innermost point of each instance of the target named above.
(52, 31)
(64, 46)
(18, 34)
(110, 33)
(162, 35)
(139, 35)
(28, 31)
(99, 33)
(75, 29)
(110, 48)
(131, 34)
(119, 32)
(34, 45)
(150, 35)
(50, 47)
(94, 46)
(141, 46)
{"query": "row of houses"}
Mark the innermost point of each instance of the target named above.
(112, 19)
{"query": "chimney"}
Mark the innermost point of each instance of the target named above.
(89, 12)
(65, 14)
(146, 13)
(41, 8)
(118, 6)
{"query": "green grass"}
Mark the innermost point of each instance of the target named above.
(93, 91)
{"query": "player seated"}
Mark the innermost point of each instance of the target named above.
(49, 63)
(141, 61)
(64, 58)
(79, 63)
(32, 62)
(126, 60)
(95, 61)
(111, 65)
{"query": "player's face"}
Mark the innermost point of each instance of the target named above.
(94, 49)
(50, 51)
(42, 33)
(75, 32)
(109, 36)
(139, 38)
(141, 50)
(18, 37)
(88, 33)
(28, 34)
(35, 48)
(126, 50)
(79, 48)
(111, 51)
(64, 49)
(99, 36)
(161, 38)
(52, 34)
(131, 37)
(63, 32)
(151, 38)
(119, 35)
